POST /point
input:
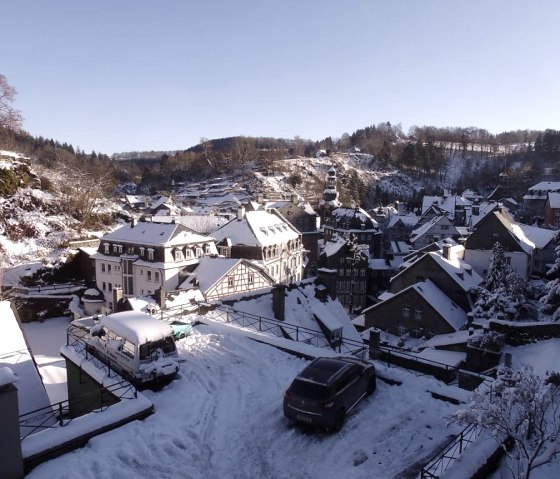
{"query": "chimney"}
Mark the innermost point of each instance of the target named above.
(447, 251)
(240, 213)
(133, 222)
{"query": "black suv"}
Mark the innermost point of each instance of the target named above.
(327, 389)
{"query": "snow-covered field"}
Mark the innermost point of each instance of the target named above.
(222, 418)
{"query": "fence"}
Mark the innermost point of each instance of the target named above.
(439, 463)
(57, 414)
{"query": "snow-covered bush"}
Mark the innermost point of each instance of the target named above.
(524, 408)
(491, 341)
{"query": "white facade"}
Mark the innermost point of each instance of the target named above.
(142, 258)
(480, 261)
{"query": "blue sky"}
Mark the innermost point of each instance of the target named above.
(127, 75)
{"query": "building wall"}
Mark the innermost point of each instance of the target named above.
(480, 260)
(391, 316)
(240, 280)
(426, 268)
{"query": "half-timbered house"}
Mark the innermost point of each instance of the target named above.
(218, 277)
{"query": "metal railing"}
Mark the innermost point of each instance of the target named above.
(450, 453)
(294, 332)
(57, 414)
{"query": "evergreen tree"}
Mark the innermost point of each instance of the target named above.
(552, 297)
(502, 292)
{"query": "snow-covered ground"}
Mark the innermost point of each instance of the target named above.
(223, 418)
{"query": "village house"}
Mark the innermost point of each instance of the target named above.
(265, 237)
(444, 268)
(218, 278)
(544, 254)
(303, 217)
(345, 272)
(455, 206)
(438, 228)
(535, 199)
(421, 310)
(552, 209)
(499, 226)
(139, 258)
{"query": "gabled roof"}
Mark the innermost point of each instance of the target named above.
(515, 230)
(447, 203)
(408, 220)
(426, 227)
(257, 228)
(438, 300)
(458, 271)
(155, 234)
(540, 237)
(554, 200)
(210, 270)
(350, 213)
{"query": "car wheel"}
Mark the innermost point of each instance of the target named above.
(371, 387)
(339, 420)
(182, 336)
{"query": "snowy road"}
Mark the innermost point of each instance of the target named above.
(222, 418)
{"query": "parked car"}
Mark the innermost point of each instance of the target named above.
(327, 390)
(181, 329)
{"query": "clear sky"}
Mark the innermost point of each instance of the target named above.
(133, 75)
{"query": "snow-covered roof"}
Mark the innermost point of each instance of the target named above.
(526, 244)
(15, 355)
(546, 186)
(257, 228)
(333, 246)
(155, 234)
(453, 314)
(210, 270)
(447, 203)
(554, 200)
(426, 227)
(540, 237)
(136, 326)
(358, 213)
(408, 220)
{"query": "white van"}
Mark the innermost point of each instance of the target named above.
(134, 344)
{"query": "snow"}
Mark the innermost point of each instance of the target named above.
(148, 233)
(449, 311)
(223, 418)
(15, 355)
(137, 327)
(257, 228)
(7, 376)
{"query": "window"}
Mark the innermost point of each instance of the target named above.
(120, 248)
(156, 276)
(188, 252)
(206, 249)
(251, 278)
(405, 312)
(142, 251)
(115, 248)
(109, 268)
(104, 286)
(130, 250)
(178, 255)
(110, 287)
(102, 267)
(231, 281)
(149, 275)
(401, 330)
(107, 246)
(418, 314)
(362, 272)
(150, 254)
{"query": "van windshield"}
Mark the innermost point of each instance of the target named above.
(149, 350)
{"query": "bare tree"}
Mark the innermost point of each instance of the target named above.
(84, 193)
(521, 407)
(10, 118)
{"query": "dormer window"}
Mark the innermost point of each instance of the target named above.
(178, 255)
(142, 251)
(107, 248)
(115, 248)
(206, 248)
(151, 254)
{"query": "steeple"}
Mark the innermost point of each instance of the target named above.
(330, 193)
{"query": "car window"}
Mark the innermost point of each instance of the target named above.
(352, 373)
(309, 390)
